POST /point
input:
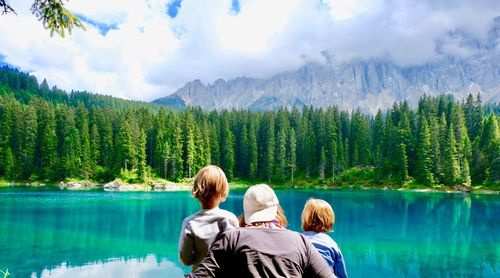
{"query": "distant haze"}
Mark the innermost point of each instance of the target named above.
(149, 49)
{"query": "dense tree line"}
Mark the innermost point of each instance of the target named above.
(46, 134)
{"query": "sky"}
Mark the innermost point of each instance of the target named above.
(148, 49)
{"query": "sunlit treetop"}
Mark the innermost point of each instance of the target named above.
(53, 15)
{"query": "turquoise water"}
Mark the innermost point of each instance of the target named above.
(47, 233)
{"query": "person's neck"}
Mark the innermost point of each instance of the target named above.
(210, 205)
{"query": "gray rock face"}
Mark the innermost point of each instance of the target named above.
(369, 85)
(112, 186)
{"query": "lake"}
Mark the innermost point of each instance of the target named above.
(46, 233)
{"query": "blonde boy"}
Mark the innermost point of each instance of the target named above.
(318, 219)
(200, 229)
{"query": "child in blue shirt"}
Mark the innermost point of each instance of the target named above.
(318, 219)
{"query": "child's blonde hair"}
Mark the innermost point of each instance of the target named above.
(317, 216)
(210, 184)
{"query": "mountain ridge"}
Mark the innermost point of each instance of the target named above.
(367, 84)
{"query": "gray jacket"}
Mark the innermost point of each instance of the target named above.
(200, 230)
(262, 252)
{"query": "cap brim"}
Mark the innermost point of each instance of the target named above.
(267, 214)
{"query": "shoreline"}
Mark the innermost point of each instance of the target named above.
(167, 186)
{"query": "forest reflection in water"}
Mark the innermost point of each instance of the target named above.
(388, 234)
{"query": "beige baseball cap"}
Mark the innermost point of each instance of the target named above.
(260, 204)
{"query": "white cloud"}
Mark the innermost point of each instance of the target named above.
(252, 29)
(345, 9)
(146, 54)
(146, 267)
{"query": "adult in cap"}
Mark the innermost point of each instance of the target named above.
(263, 248)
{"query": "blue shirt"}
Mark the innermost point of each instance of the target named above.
(330, 251)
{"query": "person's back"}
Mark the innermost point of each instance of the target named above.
(262, 252)
(200, 229)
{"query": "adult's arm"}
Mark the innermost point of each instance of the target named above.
(216, 260)
(186, 244)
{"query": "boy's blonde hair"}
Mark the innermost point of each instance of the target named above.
(210, 184)
(317, 216)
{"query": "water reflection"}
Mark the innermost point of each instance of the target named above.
(148, 267)
(101, 234)
(407, 234)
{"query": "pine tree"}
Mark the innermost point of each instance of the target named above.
(378, 139)
(463, 145)
(166, 157)
(252, 152)
(424, 161)
(5, 139)
(188, 142)
(268, 148)
(28, 141)
(280, 156)
(340, 153)
(466, 178)
(469, 113)
(82, 124)
(364, 142)
(200, 157)
(106, 152)
(477, 117)
(124, 153)
(243, 148)
(9, 164)
(450, 162)
(403, 163)
(141, 157)
(489, 142)
(227, 148)
(389, 150)
(95, 142)
(292, 153)
(322, 164)
(48, 144)
(435, 151)
(177, 170)
(16, 139)
(330, 148)
(309, 149)
(215, 144)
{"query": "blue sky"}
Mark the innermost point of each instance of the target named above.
(173, 8)
(147, 49)
(102, 27)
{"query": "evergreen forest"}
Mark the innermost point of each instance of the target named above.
(49, 135)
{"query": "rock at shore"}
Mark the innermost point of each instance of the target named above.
(112, 186)
(73, 185)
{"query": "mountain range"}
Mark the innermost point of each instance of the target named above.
(367, 84)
